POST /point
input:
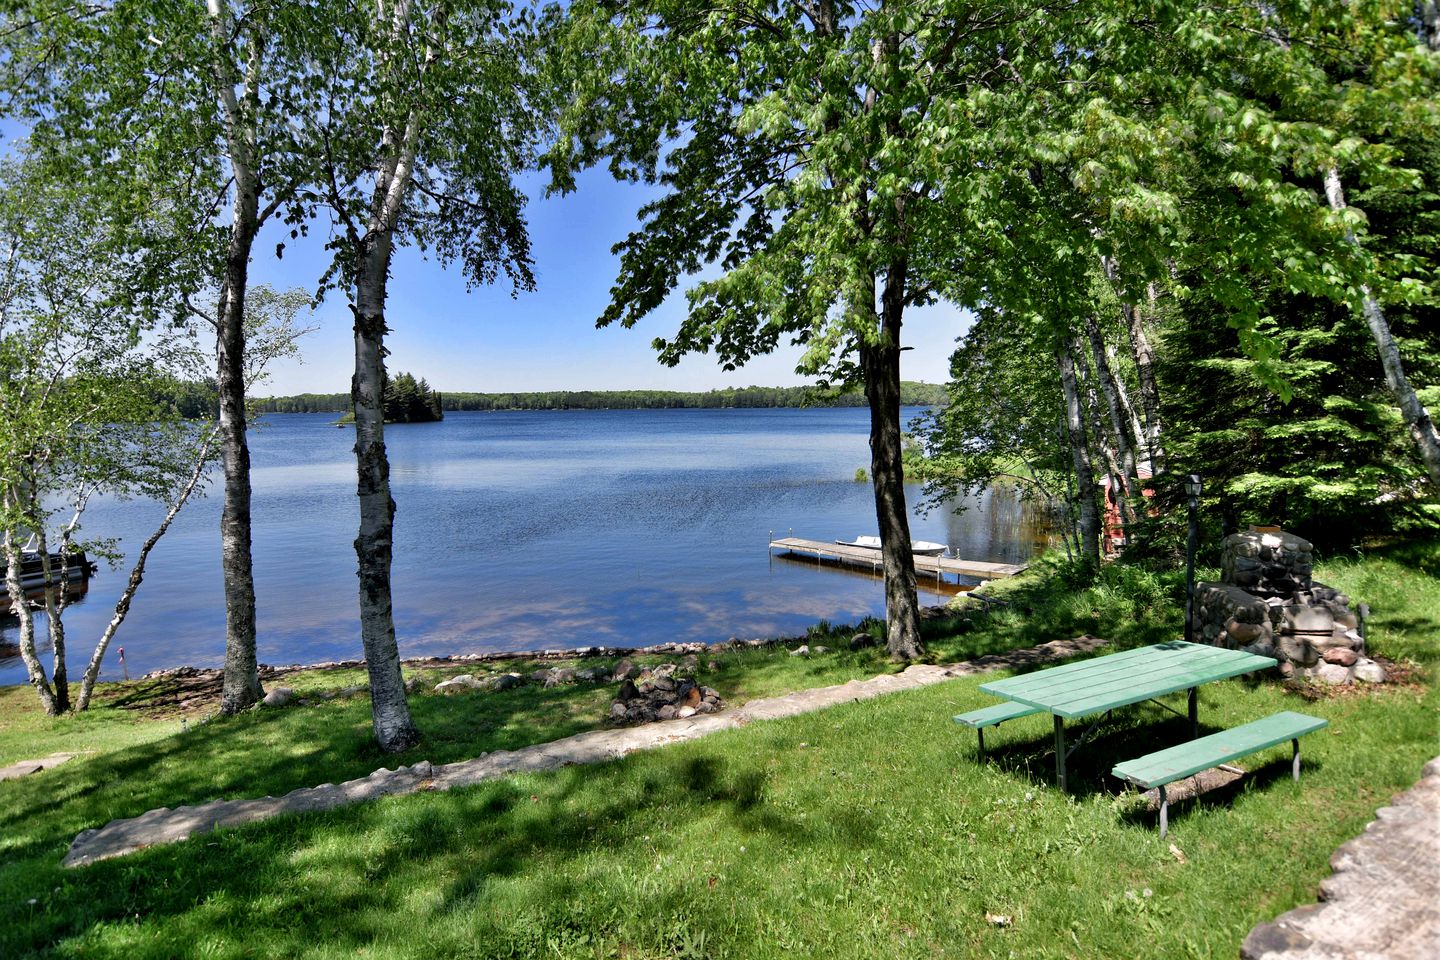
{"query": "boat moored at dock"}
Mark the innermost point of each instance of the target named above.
(921, 548)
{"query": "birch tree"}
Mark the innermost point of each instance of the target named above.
(431, 115)
(193, 101)
(1315, 93)
(79, 381)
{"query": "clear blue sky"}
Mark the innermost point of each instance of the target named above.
(486, 341)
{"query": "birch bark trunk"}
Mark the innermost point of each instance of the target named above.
(241, 686)
(54, 622)
(1127, 405)
(374, 547)
(1118, 432)
(34, 669)
(1149, 387)
(1417, 417)
(137, 575)
(1088, 526)
(1100, 439)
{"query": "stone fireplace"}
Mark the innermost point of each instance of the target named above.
(1267, 603)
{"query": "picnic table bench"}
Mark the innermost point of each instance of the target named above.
(1164, 767)
(993, 716)
(1089, 687)
(1077, 690)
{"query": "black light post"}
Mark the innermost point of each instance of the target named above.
(1193, 489)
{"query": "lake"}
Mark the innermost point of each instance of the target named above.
(527, 530)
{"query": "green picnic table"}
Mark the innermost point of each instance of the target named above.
(1090, 687)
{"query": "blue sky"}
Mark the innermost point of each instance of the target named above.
(486, 341)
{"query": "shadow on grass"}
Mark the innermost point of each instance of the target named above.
(259, 753)
(338, 878)
(1129, 733)
(1256, 779)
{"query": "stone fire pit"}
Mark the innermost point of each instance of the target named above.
(660, 695)
(1267, 603)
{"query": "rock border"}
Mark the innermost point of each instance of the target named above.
(1383, 900)
(166, 825)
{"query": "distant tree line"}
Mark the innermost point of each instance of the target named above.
(911, 394)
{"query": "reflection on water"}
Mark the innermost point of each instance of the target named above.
(530, 529)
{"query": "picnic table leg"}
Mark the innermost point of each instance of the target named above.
(1060, 750)
(1194, 715)
(1295, 759)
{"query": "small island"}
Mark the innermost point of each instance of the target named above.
(407, 400)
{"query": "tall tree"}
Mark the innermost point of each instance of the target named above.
(1311, 94)
(808, 151)
(432, 113)
(196, 103)
(81, 409)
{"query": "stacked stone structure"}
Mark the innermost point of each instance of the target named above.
(1268, 604)
(659, 694)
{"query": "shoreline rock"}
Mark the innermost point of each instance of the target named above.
(693, 648)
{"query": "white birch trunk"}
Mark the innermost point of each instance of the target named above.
(137, 574)
(390, 713)
(1088, 525)
(241, 687)
(34, 669)
(1109, 389)
(1417, 417)
(55, 623)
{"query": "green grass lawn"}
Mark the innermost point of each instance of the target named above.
(868, 830)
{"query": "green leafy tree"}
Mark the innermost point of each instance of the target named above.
(830, 160)
(431, 114)
(193, 109)
(78, 405)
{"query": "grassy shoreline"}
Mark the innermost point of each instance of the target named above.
(865, 830)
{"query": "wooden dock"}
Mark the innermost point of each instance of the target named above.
(865, 559)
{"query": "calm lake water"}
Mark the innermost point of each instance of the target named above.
(526, 530)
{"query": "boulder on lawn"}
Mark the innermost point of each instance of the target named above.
(278, 696)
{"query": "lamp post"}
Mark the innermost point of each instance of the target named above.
(1193, 488)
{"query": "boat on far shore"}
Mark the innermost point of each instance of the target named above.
(78, 568)
(921, 548)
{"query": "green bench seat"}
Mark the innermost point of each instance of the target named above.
(1176, 763)
(978, 720)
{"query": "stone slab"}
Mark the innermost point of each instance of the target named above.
(24, 768)
(165, 825)
(1382, 901)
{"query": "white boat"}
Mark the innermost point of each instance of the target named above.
(921, 548)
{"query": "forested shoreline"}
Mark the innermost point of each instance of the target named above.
(911, 394)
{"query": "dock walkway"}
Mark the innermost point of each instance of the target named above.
(866, 559)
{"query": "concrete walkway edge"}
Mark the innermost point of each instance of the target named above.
(166, 825)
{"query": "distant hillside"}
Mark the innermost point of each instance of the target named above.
(911, 394)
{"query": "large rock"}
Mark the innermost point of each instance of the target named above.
(1267, 563)
(559, 676)
(278, 696)
(461, 683)
(1368, 671)
(1342, 656)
